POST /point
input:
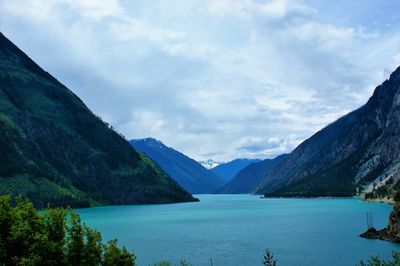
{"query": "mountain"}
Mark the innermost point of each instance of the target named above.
(209, 164)
(250, 176)
(55, 150)
(354, 151)
(187, 172)
(228, 170)
(385, 189)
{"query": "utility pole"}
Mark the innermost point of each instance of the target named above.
(370, 220)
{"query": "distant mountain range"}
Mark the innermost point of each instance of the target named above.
(55, 150)
(191, 175)
(228, 170)
(250, 176)
(209, 164)
(359, 148)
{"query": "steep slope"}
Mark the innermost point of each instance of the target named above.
(249, 177)
(228, 170)
(386, 189)
(54, 150)
(184, 170)
(353, 151)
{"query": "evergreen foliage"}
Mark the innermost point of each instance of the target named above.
(269, 259)
(376, 261)
(53, 237)
(390, 190)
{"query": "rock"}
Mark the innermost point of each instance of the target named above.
(372, 233)
(393, 229)
(391, 232)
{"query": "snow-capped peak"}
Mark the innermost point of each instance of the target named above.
(209, 164)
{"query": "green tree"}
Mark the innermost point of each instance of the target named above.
(269, 259)
(46, 239)
(93, 247)
(113, 256)
(27, 241)
(75, 244)
(5, 229)
(54, 220)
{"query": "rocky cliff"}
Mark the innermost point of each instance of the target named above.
(357, 149)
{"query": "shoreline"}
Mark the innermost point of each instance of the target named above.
(381, 200)
(385, 200)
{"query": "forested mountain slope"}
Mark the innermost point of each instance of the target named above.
(55, 150)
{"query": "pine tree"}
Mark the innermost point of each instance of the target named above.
(269, 259)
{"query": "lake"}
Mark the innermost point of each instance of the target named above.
(236, 229)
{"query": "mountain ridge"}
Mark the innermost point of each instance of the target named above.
(228, 170)
(249, 177)
(345, 155)
(55, 150)
(187, 172)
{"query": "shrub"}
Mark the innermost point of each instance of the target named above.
(376, 261)
(53, 237)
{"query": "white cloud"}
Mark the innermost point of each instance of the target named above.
(95, 9)
(221, 79)
(271, 10)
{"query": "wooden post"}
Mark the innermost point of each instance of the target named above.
(370, 220)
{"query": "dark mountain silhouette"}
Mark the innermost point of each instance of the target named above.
(228, 170)
(249, 177)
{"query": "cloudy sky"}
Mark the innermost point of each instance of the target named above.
(216, 79)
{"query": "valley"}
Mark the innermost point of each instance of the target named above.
(166, 133)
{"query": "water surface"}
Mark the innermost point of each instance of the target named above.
(236, 229)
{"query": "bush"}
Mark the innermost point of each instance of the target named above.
(54, 237)
(376, 261)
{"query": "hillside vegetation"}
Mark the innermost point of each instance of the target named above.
(55, 150)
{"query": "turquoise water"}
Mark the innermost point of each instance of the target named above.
(236, 229)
